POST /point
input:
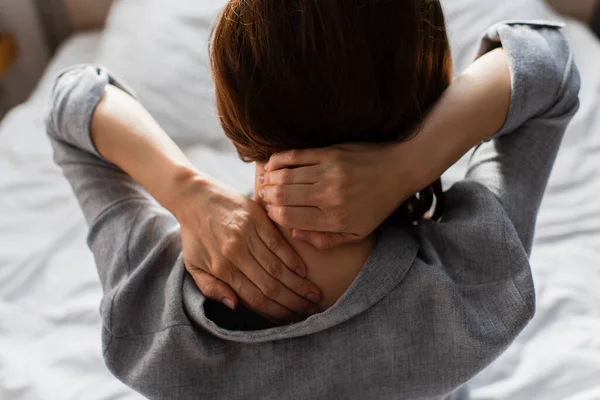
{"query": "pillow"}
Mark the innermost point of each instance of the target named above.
(160, 48)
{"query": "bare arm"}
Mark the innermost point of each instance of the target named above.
(473, 108)
(127, 136)
(354, 188)
(103, 138)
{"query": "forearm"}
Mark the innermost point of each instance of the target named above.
(125, 134)
(472, 109)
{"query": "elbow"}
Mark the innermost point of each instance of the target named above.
(569, 91)
(530, 305)
(73, 91)
(524, 284)
(567, 96)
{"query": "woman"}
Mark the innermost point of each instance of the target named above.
(403, 310)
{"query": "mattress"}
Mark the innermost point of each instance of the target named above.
(557, 356)
(50, 344)
(49, 322)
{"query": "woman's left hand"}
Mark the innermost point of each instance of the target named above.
(339, 194)
(231, 249)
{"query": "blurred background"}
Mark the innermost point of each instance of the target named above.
(49, 293)
(39, 27)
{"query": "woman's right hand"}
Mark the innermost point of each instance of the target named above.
(341, 194)
(230, 246)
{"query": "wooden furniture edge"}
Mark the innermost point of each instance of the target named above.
(8, 53)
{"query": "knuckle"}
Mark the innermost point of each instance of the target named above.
(339, 171)
(258, 301)
(339, 220)
(275, 158)
(238, 217)
(221, 271)
(271, 289)
(272, 243)
(294, 155)
(274, 269)
(239, 224)
(284, 216)
(210, 290)
(279, 195)
(286, 176)
(322, 243)
(336, 197)
(229, 249)
(190, 266)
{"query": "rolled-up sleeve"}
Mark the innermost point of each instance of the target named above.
(129, 233)
(516, 164)
(97, 183)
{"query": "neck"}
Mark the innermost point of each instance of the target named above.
(334, 270)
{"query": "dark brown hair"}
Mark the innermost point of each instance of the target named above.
(293, 74)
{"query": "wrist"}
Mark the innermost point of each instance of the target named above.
(184, 183)
(405, 161)
(472, 109)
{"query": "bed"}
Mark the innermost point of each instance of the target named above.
(49, 292)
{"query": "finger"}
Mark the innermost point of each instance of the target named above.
(292, 195)
(214, 289)
(293, 158)
(250, 277)
(252, 296)
(276, 269)
(324, 240)
(278, 245)
(287, 320)
(274, 289)
(305, 218)
(289, 176)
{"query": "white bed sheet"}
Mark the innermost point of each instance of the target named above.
(49, 291)
(49, 323)
(558, 355)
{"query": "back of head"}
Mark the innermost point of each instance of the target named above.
(293, 74)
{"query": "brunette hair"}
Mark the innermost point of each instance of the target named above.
(294, 74)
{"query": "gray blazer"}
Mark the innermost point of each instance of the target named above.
(430, 309)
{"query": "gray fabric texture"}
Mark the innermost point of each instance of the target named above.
(430, 309)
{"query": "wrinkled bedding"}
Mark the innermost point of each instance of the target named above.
(50, 294)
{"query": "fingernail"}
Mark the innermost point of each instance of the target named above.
(312, 310)
(267, 166)
(315, 298)
(261, 178)
(229, 303)
(301, 272)
(261, 193)
(268, 208)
